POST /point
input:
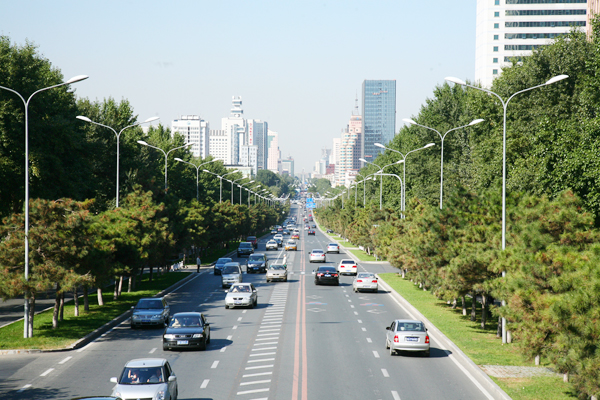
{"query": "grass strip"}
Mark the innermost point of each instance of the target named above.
(481, 345)
(74, 328)
(362, 256)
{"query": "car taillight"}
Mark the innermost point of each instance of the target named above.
(320, 274)
(359, 280)
(374, 281)
(396, 340)
(334, 275)
(427, 339)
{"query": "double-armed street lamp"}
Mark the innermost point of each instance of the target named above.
(118, 136)
(197, 173)
(504, 106)
(166, 155)
(403, 206)
(78, 78)
(442, 137)
(220, 181)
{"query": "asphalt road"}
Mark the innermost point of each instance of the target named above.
(302, 342)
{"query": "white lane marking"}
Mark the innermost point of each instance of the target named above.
(359, 321)
(261, 366)
(364, 329)
(24, 388)
(355, 313)
(234, 327)
(270, 353)
(395, 395)
(153, 350)
(223, 349)
(257, 374)
(351, 306)
(267, 324)
(46, 372)
(261, 360)
(265, 348)
(244, 312)
(214, 364)
(239, 318)
(204, 384)
(270, 334)
(385, 373)
(253, 391)
(349, 301)
(347, 294)
(229, 337)
(264, 344)
(255, 382)
(369, 340)
(376, 354)
(65, 360)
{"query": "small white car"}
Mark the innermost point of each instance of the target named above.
(146, 378)
(272, 245)
(277, 272)
(347, 266)
(407, 335)
(241, 295)
(231, 273)
(333, 248)
(317, 255)
(365, 281)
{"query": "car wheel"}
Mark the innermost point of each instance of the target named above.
(268, 281)
(256, 303)
(165, 347)
(376, 290)
(316, 282)
(426, 353)
(203, 346)
(285, 280)
(392, 351)
(226, 307)
(387, 344)
(208, 339)
(133, 326)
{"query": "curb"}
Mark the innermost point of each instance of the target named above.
(481, 379)
(90, 337)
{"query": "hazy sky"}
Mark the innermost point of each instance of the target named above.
(297, 65)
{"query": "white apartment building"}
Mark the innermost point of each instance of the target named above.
(236, 124)
(350, 149)
(224, 145)
(248, 157)
(274, 154)
(195, 130)
(334, 159)
(507, 29)
(257, 136)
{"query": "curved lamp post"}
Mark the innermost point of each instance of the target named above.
(401, 184)
(442, 137)
(166, 155)
(241, 186)
(118, 135)
(380, 178)
(78, 78)
(197, 173)
(403, 207)
(504, 106)
(220, 181)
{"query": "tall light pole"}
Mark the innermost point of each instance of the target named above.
(380, 178)
(232, 182)
(118, 136)
(197, 173)
(504, 106)
(401, 184)
(241, 186)
(404, 168)
(220, 181)
(166, 155)
(26, 333)
(442, 137)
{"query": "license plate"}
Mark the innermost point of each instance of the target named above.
(327, 275)
(238, 302)
(182, 342)
(146, 321)
(412, 339)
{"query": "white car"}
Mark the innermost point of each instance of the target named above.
(272, 245)
(241, 295)
(365, 281)
(277, 272)
(231, 273)
(407, 335)
(146, 378)
(279, 239)
(333, 248)
(317, 255)
(347, 266)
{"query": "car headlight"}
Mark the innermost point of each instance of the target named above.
(157, 316)
(197, 335)
(136, 316)
(160, 395)
(169, 336)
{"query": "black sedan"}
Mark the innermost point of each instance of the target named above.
(326, 274)
(187, 330)
(311, 232)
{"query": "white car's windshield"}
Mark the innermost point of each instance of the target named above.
(142, 376)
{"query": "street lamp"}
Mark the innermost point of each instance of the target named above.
(197, 173)
(401, 184)
(403, 207)
(442, 137)
(166, 155)
(241, 186)
(220, 181)
(232, 182)
(504, 106)
(26, 333)
(118, 135)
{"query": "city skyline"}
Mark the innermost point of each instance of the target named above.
(297, 66)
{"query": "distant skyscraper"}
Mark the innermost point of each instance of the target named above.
(350, 150)
(508, 29)
(248, 157)
(593, 8)
(287, 166)
(236, 118)
(378, 115)
(274, 160)
(194, 129)
(257, 136)
(224, 145)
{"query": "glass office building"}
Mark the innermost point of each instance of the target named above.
(378, 115)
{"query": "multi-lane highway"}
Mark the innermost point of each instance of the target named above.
(302, 342)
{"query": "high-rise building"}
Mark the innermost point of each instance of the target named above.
(248, 157)
(334, 159)
(257, 136)
(378, 116)
(194, 129)
(274, 158)
(239, 125)
(287, 166)
(350, 150)
(224, 145)
(512, 29)
(593, 9)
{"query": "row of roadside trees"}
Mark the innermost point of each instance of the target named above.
(78, 238)
(552, 259)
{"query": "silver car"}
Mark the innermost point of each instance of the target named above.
(333, 248)
(277, 272)
(407, 335)
(230, 274)
(241, 295)
(150, 312)
(272, 245)
(146, 378)
(365, 281)
(317, 255)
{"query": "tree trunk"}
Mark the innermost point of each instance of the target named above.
(130, 283)
(537, 360)
(499, 330)
(403, 273)
(100, 299)
(56, 307)
(76, 301)
(31, 314)
(120, 285)
(474, 307)
(61, 313)
(151, 272)
(116, 288)
(566, 377)
(454, 304)
(483, 310)
(86, 300)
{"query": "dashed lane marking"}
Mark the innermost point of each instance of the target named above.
(376, 354)
(204, 384)
(385, 373)
(46, 372)
(214, 364)
(65, 360)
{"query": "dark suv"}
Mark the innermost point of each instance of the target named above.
(245, 249)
